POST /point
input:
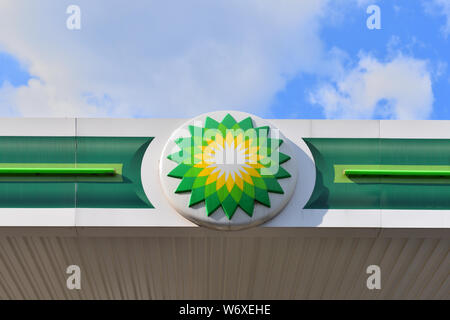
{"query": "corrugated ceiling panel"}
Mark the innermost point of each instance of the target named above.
(224, 267)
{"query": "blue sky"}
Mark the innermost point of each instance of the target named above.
(11, 71)
(417, 33)
(282, 59)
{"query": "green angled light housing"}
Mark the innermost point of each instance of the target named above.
(57, 171)
(397, 172)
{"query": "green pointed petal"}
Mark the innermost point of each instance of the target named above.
(229, 121)
(282, 173)
(188, 158)
(197, 196)
(247, 204)
(229, 206)
(260, 130)
(249, 190)
(236, 193)
(246, 124)
(192, 172)
(268, 171)
(263, 145)
(212, 204)
(210, 189)
(223, 129)
(282, 158)
(177, 157)
(187, 155)
(222, 193)
(183, 156)
(184, 142)
(273, 145)
(179, 171)
(273, 185)
(262, 197)
(236, 127)
(197, 142)
(196, 131)
(199, 182)
(185, 185)
(259, 183)
(210, 123)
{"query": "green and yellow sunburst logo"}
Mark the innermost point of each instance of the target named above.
(229, 164)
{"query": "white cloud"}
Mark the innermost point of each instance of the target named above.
(179, 58)
(398, 89)
(441, 7)
(6, 93)
(162, 58)
(362, 3)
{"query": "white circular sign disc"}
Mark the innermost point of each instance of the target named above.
(228, 170)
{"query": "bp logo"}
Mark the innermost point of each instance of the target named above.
(228, 170)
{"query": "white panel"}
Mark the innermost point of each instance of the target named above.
(165, 215)
(37, 127)
(86, 217)
(415, 129)
(98, 127)
(342, 218)
(415, 218)
(293, 129)
(41, 217)
(345, 129)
